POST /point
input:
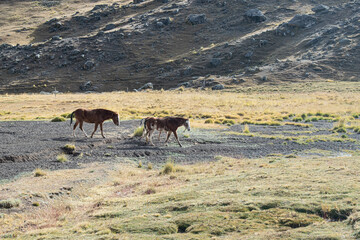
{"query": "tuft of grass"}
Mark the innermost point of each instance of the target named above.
(9, 203)
(297, 119)
(169, 167)
(340, 127)
(58, 119)
(39, 172)
(149, 166)
(246, 129)
(69, 148)
(209, 121)
(138, 132)
(62, 158)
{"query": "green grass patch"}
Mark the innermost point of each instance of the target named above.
(58, 119)
(138, 131)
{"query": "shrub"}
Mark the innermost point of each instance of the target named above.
(36, 204)
(303, 116)
(62, 158)
(39, 172)
(140, 164)
(9, 203)
(139, 132)
(58, 119)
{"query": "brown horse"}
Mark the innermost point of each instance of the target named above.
(97, 116)
(150, 124)
(169, 124)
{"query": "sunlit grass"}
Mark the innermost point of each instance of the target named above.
(209, 107)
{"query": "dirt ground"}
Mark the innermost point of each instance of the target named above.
(27, 145)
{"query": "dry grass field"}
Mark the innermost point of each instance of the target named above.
(275, 197)
(269, 198)
(256, 104)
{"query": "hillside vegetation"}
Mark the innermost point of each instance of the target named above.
(121, 45)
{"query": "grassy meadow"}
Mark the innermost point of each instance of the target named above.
(269, 198)
(275, 197)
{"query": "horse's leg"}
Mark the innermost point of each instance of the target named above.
(101, 128)
(81, 127)
(176, 136)
(75, 125)
(159, 134)
(96, 125)
(167, 138)
(150, 136)
(147, 135)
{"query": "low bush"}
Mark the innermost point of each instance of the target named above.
(58, 119)
(9, 203)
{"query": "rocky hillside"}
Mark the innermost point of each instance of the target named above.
(122, 45)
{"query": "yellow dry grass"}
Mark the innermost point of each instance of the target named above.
(264, 106)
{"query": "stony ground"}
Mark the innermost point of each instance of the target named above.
(36, 144)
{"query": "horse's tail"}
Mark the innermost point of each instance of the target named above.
(71, 117)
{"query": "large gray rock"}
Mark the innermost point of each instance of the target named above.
(195, 19)
(302, 21)
(215, 62)
(218, 87)
(320, 8)
(148, 85)
(88, 65)
(255, 15)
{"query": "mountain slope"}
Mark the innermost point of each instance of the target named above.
(123, 45)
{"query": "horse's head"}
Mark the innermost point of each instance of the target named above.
(116, 119)
(187, 124)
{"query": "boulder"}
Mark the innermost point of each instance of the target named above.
(302, 21)
(88, 65)
(320, 8)
(109, 27)
(255, 15)
(249, 54)
(215, 62)
(218, 87)
(148, 85)
(195, 19)
(185, 84)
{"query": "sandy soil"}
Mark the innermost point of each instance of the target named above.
(36, 144)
